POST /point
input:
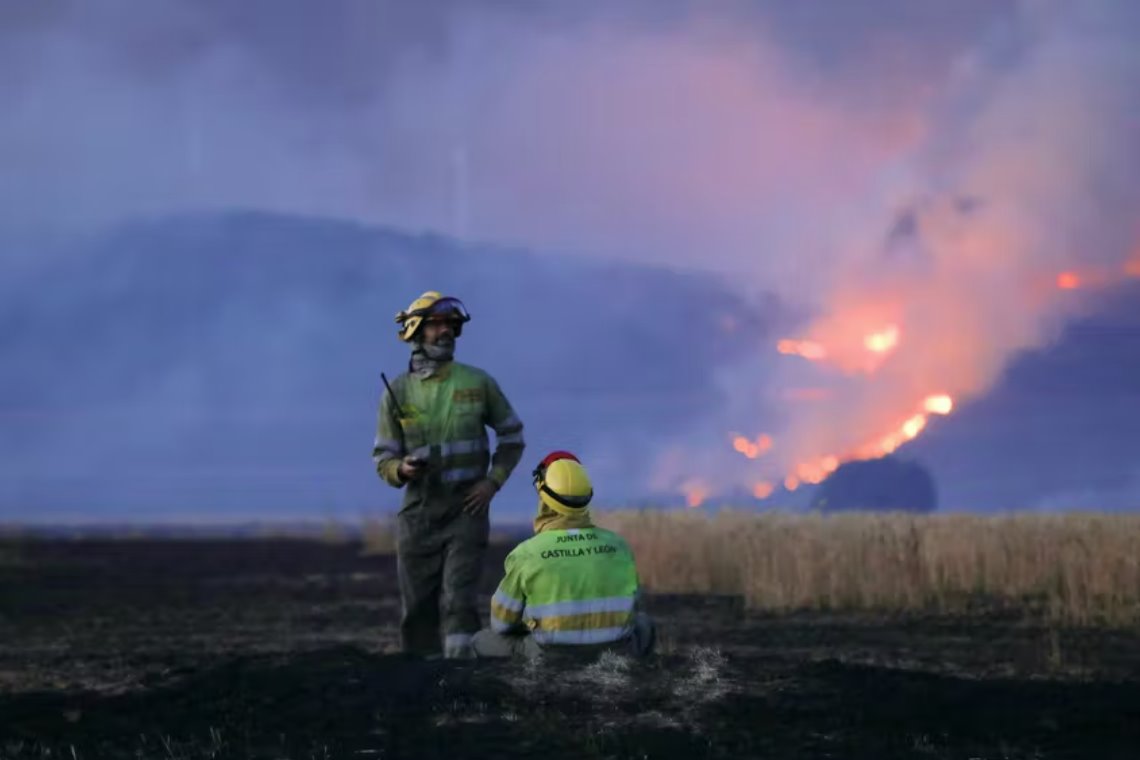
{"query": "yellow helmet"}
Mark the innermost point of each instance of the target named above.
(563, 485)
(430, 304)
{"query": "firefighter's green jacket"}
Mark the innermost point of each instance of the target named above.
(575, 586)
(443, 418)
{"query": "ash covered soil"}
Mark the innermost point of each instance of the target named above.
(287, 649)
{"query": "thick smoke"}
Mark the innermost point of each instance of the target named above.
(926, 169)
(660, 131)
(1026, 169)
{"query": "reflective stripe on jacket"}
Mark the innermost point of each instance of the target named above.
(577, 586)
(444, 421)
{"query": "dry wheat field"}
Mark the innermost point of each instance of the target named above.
(1070, 568)
(798, 636)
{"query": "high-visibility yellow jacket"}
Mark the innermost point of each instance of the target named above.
(444, 420)
(576, 586)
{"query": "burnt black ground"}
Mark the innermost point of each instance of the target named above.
(286, 649)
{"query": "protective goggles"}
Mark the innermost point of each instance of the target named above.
(445, 309)
(570, 502)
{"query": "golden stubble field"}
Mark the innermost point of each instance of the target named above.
(1072, 568)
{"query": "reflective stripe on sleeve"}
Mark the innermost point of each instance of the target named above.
(500, 626)
(461, 474)
(507, 602)
(510, 425)
(387, 444)
(582, 607)
(588, 636)
(470, 446)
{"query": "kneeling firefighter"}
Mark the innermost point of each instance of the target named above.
(572, 586)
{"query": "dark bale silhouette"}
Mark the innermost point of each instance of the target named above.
(878, 484)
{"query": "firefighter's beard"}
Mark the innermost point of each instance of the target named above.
(427, 358)
(442, 350)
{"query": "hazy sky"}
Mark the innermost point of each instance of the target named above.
(929, 167)
(569, 125)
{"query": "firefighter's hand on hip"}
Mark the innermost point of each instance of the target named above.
(411, 468)
(478, 500)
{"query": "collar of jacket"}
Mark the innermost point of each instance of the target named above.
(548, 519)
(441, 373)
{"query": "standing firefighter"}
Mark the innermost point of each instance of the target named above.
(573, 586)
(432, 439)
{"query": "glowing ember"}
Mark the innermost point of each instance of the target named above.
(752, 450)
(940, 404)
(808, 349)
(791, 483)
(810, 473)
(912, 427)
(883, 341)
(888, 443)
(1068, 281)
(695, 493)
(762, 490)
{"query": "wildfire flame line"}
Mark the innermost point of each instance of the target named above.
(879, 343)
(816, 470)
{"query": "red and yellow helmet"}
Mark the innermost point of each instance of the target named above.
(563, 483)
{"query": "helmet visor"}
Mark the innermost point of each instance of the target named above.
(447, 308)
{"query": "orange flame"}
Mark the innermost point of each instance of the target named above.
(810, 472)
(808, 349)
(695, 493)
(752, 450)
(883, 341)
(856, 338)
(909, 429)
(1068, 281)
(939, 404)
(912, 427)
(762, 490)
